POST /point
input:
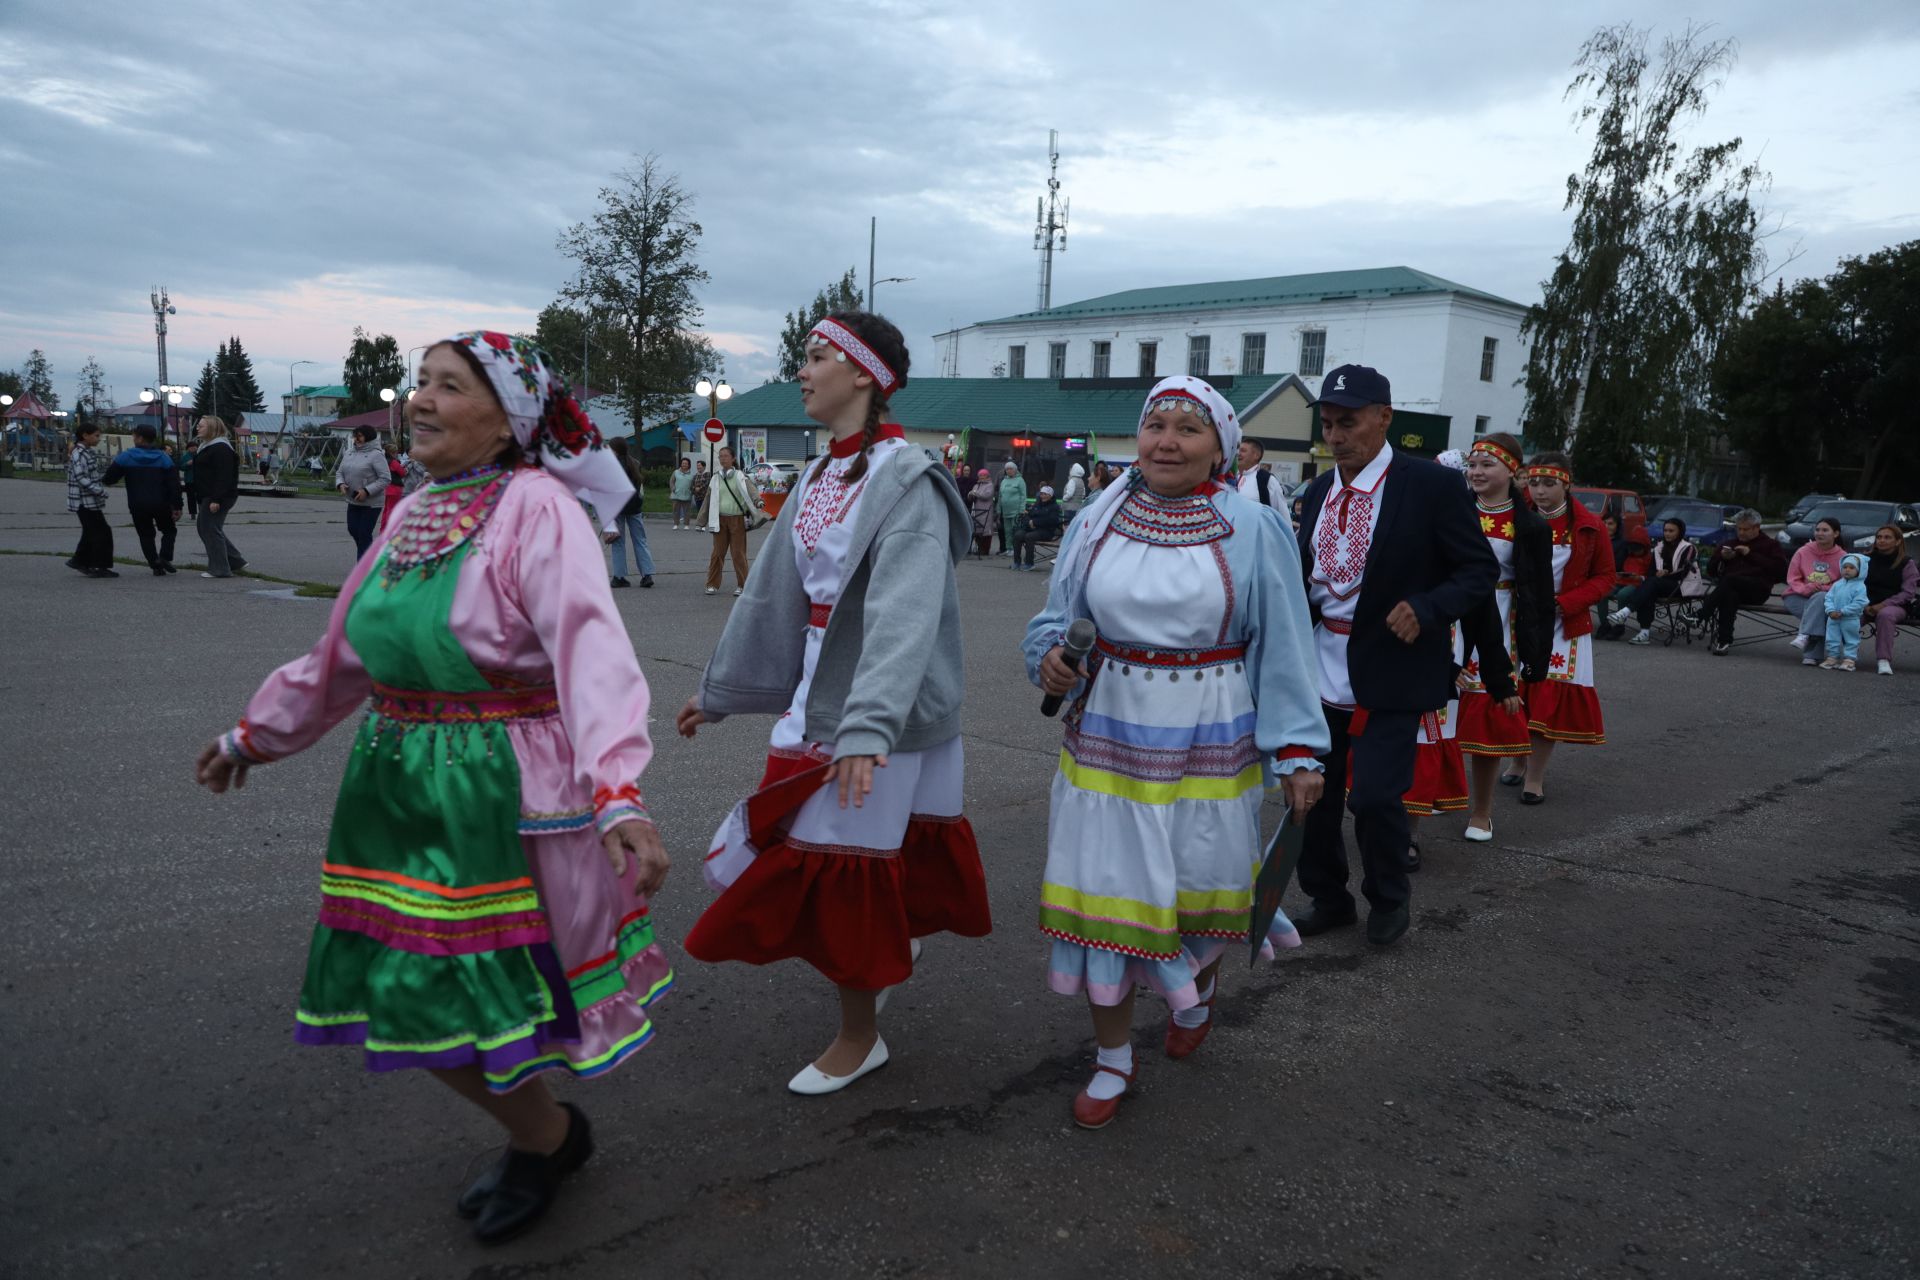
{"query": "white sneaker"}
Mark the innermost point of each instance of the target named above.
(812, 1081)
(1809, 661)
(738, 590)
(713, 591)
(1799, 642)
(1643, 636)
(1618, 616)
(1885, 668)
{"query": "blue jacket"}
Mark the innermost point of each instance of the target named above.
(153, 482)
(1848, 596)
(1269, 617)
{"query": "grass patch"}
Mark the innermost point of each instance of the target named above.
(317, 591)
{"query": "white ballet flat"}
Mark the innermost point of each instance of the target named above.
(812, 1081)
(1479, 835)
(880, 1001)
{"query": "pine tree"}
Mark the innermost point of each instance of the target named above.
(38, 376)
(843, 295)
(239, 393)
(206, 393)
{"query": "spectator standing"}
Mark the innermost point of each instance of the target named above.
(362, 477)
(702, 481)
(1744, 572)
(1074, 496)
(1893, 582)
(680, 489)
(1043, 524)
(1256, 477)
(1814, 568)
(1846, 602)
(1013, 504)
(627, 526)
(153, 496)
(731, 499)
(87, 499)
(980, 505)
(1670, 571)
(396, 483)
(216, 483)
(186, 476)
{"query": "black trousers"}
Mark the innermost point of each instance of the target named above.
(362, 524)
(1728, 597)
(144, 525)
(1643, 596)
(1382, 771)
(95, 549)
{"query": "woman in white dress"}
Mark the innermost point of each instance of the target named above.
(1200, 690)
(854, 847)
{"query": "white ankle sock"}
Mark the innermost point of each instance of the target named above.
(1198, 1015)
(1106, 1085)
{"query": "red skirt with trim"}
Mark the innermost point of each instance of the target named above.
(850, 914)
(1488, 729)
(1562, 711)
(1439, 779)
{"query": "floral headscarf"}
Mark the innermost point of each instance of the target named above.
(548, 423)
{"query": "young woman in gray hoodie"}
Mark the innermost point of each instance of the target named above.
(854, 847)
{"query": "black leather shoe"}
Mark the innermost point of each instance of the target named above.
(1319, 919)
(475, 1197)
(1532, 797)
(529, 1183)
(619, 582)
(168, 565)
(1512, 779)
(646, 580)
(1412, 861)
(1385, 927)
(158, 572)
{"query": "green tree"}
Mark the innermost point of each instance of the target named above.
(10, 383)
(239, 393)
(842, 295)
(90, 402)
(371, 363)
(1663, 254)
(38, 376)
(1817, 383)
(637, 278)
(565, 334)
(206, 392)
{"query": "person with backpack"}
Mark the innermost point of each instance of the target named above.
(1256, 477)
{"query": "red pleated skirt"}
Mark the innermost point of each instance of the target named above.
(1487, 729)
(1439, 779)
(1562, 711)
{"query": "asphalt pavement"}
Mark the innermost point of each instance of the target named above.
(1667, 1024)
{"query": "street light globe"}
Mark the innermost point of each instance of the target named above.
(724, 391)
(703, 388)
(173, 397)
(146, 397)
(386, 394)
(5, 400)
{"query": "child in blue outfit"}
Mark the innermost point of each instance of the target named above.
(1846, 601)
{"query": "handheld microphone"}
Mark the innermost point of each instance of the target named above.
(1079, 643)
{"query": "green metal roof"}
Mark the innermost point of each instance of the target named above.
(1318, 286)
(334, 393)
(1073, 407)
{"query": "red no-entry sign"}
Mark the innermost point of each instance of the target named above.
(715, 431)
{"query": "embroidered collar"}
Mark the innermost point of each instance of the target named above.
(1368, 481)
(445, 517)
(1502, 509)
(851, 445)
(1191, 521)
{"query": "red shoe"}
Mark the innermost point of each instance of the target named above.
(1182, 1041)
(1097, 1113)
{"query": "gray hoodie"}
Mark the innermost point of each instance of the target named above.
(364, 467)
(890, 676)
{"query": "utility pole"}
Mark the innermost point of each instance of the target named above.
(873, 234)
(162, 308)
(1050, 220)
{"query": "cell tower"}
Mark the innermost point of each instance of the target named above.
(162, 308)
(1050, 220)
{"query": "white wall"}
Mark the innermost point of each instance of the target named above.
(1428, 345)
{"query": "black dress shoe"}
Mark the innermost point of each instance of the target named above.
(475, 1197)
(1532, 797)
(646, 579)
(619, 582)
(76, 566)
(103, 573)
(1319, 919)
(1412, 861)
(1385, 927)
(168, 566)
(1512, 779)
(529, 1182)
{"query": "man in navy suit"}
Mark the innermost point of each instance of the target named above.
(1392, 555)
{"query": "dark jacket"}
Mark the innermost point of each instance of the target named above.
(1764, 562)
(153, 482)
(1427, 550)
(1043, 517)
(216, 473)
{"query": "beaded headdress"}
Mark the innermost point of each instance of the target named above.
(831, 333)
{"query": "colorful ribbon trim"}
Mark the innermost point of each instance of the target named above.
(1172, 657)
(848, 344)
(1501, 455)
(1537, 472)
(418, 706)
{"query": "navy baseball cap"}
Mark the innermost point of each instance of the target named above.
(1355, 386)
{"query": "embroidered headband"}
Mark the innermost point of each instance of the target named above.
(832, 333)
(1497, 453)
(1538, 472)
(1183, 393)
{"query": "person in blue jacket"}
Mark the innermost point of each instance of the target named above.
(154, 495)
(1846, 601)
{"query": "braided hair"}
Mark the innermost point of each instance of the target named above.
(886, 340)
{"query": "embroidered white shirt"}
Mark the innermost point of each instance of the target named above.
(1342, 536)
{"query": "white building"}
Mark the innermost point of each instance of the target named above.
(1447, 349)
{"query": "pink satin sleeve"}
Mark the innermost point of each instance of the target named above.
(558, 573)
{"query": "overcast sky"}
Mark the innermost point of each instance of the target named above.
(292, 170)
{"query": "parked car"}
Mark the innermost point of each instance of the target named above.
(1706, 521)
(1858, 519)
(1624, 505)
(1799, 510)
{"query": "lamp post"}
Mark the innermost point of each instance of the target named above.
(395, 397)
(286, 416)
(6, 402)
(873, 285)
(715, 392)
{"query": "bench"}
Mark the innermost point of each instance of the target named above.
(1676, 619)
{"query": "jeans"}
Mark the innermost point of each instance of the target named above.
(144, 524)
(630, 529)
(1382, 760)
(361, 523)
(1642, 598)
(1812, 612)
(222, 556)
(731, 537)
(1843, 637)
(95, 549)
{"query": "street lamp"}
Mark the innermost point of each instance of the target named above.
(874, 286)
(715, 392)
(395, 397)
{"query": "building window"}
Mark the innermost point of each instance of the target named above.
(1016, 362)
(1253, 354)
(1056, 360)
(1489, 347)
(1480, 425)
(1313, 353)
(1149, 357)
(1103, 359)
(1199, 353)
